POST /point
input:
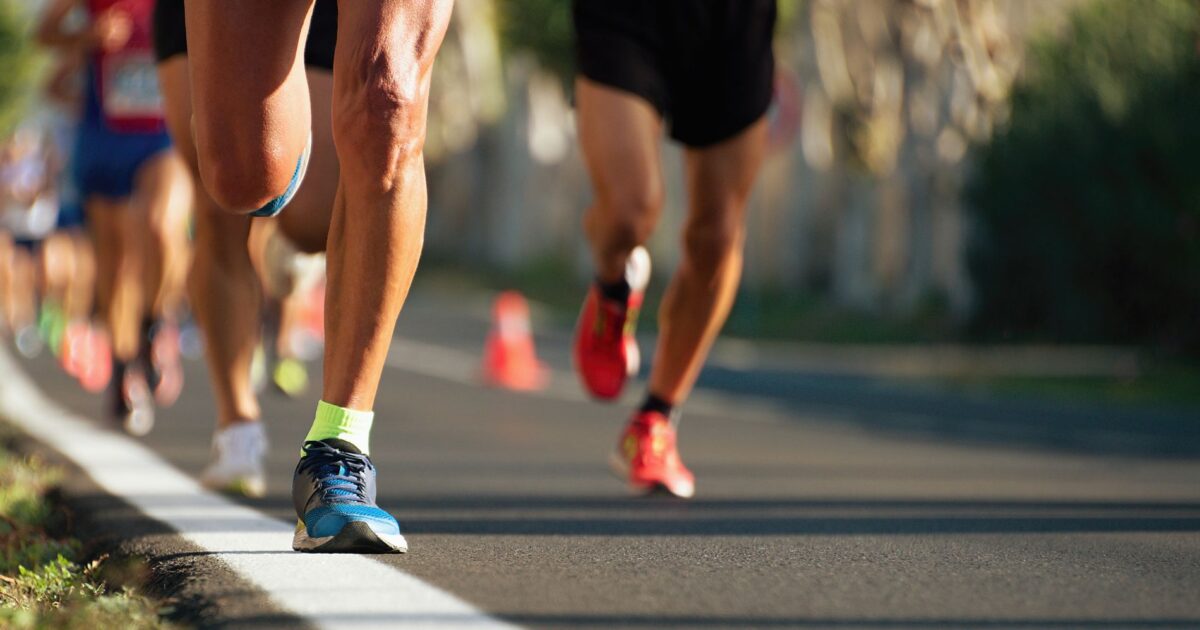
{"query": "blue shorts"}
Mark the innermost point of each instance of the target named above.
(106, 162)
(70, 215)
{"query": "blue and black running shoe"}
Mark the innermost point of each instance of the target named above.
(333, 491)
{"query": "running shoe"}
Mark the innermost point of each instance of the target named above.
(132, 404)
(333, 491)
(28, 342)
(160, 358)
(647, 457)
(237, 461)
(290, 377)
(606, 351)
(89, 356)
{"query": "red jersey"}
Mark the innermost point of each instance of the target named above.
(126, 81)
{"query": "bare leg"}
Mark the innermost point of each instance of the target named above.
(81, 292)
(625, 173)
(6, 302)
(697, 302)
(224, 289)
(306, 220)
(252, 124)
(381, 89)
(24, 288)
(163, 189)
(118, 257)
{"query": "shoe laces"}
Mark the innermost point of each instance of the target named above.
(340, 475)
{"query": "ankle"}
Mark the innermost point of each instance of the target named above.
(655, 404)
(616, 291)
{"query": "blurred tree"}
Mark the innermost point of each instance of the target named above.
(1087, 205)
(543, 28)
(18, 64)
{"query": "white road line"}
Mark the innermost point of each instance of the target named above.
(331, 591)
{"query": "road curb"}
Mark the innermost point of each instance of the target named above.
(328, 591)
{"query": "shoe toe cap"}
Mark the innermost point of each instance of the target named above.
(328, 520)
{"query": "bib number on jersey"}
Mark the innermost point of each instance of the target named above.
(131, 86)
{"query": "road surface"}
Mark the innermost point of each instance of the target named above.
(822, 501)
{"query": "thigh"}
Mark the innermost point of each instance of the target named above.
(250, 97)
(720, 177)
(620, 135)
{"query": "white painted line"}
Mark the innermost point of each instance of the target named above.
(330, 591)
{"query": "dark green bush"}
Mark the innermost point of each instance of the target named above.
(543, 28)
(1086, 207)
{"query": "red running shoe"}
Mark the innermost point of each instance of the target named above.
(162, 363)
(648, 458)
(606, 351)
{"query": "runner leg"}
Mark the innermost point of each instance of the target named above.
(118, 289)
(382, 70)
(306, 222)
(161, 187)
(719, 181)
(252, 117)
(620, 135)
(225, 294)
(625, 172)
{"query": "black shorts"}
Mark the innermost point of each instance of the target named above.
(170, 33)
(707, 66)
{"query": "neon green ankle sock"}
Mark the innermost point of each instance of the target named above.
(341, 423)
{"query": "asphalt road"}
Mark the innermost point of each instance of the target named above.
(822, 501)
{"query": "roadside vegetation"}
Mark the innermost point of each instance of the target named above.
(47, 580)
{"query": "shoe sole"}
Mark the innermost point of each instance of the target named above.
(617, 465)
(356, 537)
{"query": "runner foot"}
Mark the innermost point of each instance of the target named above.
(606, 351)
(133, 407)
(161, 360)
(290, 377)
(237, 465)
(647, 457)
(333, 491)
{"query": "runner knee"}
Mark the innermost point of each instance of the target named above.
(629, 216)
(708, 243)
(379, 120)
(243, 175)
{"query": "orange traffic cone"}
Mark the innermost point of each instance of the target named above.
(509, 360)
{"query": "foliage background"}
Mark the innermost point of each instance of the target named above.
(18, 64)
(1087, 205)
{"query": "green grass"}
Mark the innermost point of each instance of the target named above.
(1171, 383)
(45, 581)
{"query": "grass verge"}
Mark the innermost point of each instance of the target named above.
(1161, 382)
(47, 577)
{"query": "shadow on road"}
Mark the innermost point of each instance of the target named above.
(574, 516)
(939, 413)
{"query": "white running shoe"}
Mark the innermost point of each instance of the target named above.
(237, 466)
